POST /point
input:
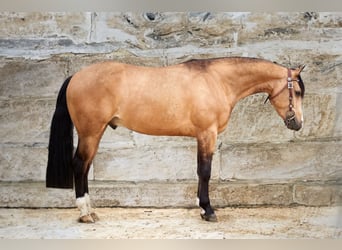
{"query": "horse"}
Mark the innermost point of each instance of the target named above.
(194, 99)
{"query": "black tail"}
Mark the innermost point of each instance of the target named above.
(59, 173)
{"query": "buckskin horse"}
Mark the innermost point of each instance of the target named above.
(194, 99)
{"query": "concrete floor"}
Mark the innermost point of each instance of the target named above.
(152, 223)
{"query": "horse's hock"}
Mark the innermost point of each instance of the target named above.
(257, 160)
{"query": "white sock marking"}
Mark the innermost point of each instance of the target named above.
(81, 203)
(87, 198)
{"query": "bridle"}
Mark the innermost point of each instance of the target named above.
(290, 114)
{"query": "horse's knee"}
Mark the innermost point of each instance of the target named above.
(204, 174)
(204, 170)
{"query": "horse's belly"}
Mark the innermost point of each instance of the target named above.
(158, 125)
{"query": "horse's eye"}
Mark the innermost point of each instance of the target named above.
(298, 93)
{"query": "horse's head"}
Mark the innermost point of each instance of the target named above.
(288, 100)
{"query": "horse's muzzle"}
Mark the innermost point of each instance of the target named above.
(292, 122)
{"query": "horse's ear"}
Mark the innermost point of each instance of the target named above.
(300, 68)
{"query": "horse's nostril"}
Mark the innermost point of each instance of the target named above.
(293, 124)
(297, 127)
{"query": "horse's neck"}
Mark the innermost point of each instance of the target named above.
(244, 79)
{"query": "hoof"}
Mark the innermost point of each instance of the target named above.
(95, 217)
(210, 217)
(86, 219)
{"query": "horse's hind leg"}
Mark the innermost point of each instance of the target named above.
(83, 158)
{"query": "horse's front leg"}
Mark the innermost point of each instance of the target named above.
(206, 146)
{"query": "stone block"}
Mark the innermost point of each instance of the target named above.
(165, 163)
(35, 195)
(26, 120)
(22, 163)
(283, 161)
(31, 78)
(143, 194)
(46, 25)
(287, 26)
(318, 195)
(250, 194)
(338, 119)
(321, 74)
(320, 112)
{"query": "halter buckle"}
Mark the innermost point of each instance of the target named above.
(289, 83)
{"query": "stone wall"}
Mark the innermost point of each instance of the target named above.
(257, 161)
